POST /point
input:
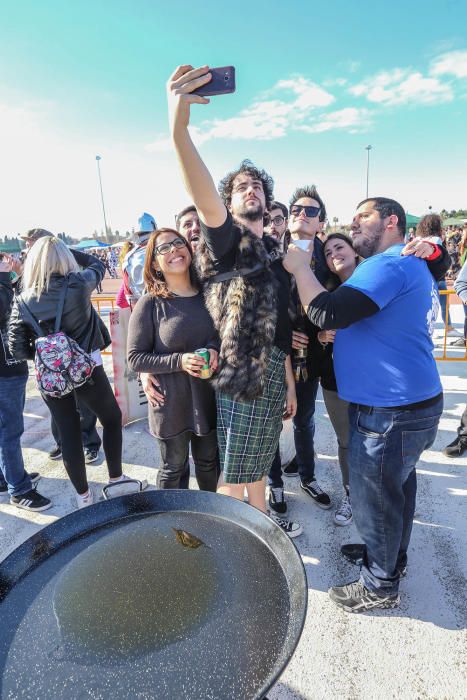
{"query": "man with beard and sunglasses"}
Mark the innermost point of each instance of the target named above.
(247, 296)
(384, 366)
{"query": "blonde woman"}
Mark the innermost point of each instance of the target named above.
(48, 266)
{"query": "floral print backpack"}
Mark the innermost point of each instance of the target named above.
(60, 364)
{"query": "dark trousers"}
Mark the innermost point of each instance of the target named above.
(304, 428)
(89, 435)
(275, 473)
(98, 396)
(175, 470)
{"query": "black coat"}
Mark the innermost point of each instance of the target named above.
(80, 320)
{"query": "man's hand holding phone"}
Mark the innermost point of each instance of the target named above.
(180, 92)
(190, 85)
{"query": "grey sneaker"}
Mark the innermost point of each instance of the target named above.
(343, 515)
(356, 597)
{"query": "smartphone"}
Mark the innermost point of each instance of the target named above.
(221, 83)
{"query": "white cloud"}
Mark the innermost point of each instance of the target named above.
(351, 119)
(400, 86)
(295, 100)
(451, 63)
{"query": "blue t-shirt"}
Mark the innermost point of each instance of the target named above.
(386, 359)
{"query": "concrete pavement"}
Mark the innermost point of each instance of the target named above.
(416, 651)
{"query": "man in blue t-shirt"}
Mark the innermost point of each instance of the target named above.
(384, 367)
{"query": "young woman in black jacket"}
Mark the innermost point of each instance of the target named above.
(48, 265)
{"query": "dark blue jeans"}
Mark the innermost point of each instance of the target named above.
(12, 472)
(275, 473)
(304, 428)
(384, 448)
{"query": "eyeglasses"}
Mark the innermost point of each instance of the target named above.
(310, 212)
(277, 220)
(165, 248)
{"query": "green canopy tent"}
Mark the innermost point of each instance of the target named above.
(11, 246)
(411, 221)
(452, 221)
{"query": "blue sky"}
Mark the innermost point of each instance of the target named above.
(316, 83)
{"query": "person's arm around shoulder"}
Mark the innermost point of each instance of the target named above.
(432, 252)
(198, 181)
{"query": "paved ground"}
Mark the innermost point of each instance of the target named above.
(417, 651)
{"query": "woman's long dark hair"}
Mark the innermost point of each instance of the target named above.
(334, 281)
(155, 283)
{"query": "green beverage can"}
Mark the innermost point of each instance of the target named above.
(205, 372)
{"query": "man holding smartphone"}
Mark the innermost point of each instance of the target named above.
(247, 296)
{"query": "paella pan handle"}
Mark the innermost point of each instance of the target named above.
(121, 488)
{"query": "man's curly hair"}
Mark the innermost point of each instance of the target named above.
(246, 166)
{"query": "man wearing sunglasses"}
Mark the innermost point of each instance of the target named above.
(277, 226)
(307, 210)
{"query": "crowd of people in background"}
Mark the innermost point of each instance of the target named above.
(238, 315)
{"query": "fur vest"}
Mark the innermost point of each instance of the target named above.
(244, 311)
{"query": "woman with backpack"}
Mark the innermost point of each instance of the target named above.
(56, 297)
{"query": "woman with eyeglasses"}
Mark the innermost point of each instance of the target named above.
(167, 326)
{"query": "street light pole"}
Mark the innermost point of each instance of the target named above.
(98, 158)
(367, 149)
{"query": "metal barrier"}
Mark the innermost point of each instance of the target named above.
(106, 302)
(100, 301)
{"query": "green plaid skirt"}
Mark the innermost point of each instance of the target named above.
(248, 431)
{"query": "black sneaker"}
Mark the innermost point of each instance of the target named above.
(277, 501)
(291, 469)
(354, 553)
(90, 456)
(290, 528)
(356, 597)
(31, 500)
(456, 448)
(34, 476)
(56, 453)
(313, 489)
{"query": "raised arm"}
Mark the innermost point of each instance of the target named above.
(197, 178)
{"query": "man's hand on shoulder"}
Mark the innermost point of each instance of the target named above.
(420, 248)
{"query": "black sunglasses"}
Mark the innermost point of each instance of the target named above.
(310, 212)
(165, 248)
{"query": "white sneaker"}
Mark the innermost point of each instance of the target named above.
(87, 500)
(290, 528)
(343, 515)
(453, 333)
